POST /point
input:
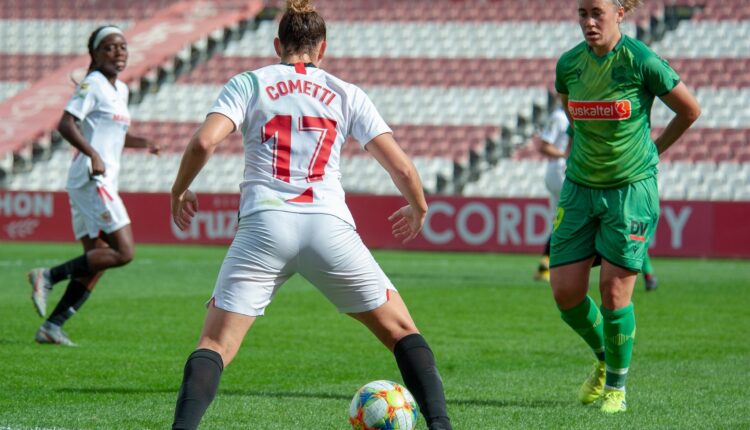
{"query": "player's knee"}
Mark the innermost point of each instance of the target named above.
(560, 297)
(125, 256)
(615, 298)
(566, 297)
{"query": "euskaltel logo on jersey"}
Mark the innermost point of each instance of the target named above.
(614, 110)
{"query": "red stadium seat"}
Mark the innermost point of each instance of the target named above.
(742, 157)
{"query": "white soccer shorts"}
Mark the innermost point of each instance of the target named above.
(95, 208)
(271, 246)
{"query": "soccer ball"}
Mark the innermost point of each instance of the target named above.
(383, 405)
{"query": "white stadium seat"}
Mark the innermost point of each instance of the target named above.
(425, 105)
(9, 89)
(47, 36)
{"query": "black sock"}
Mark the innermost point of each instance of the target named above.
(548, 246)
(75, 296)
(417, 364)
(199, 384)
(75, 268)
(599, 355)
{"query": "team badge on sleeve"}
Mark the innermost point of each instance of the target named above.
(83, 89)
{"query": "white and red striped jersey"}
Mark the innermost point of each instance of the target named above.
(295, 120)
(103, 111)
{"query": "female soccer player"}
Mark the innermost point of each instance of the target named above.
(100, 220)
(609, 202)
(294, 118)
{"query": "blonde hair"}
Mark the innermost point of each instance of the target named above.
(628, 5)
(300, 6)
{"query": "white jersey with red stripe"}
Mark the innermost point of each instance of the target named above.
(103, 111)
(295, 120)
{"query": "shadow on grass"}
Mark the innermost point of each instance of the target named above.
(500, 403)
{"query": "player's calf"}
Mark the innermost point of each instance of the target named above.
(417, 364)
(199, 384)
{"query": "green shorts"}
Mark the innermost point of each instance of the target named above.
(616, 223)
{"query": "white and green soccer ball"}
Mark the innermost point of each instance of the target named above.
(383, 405)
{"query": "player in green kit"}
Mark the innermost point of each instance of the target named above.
(609, 203)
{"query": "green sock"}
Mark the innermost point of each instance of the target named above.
(586, 320)
(619, 335)
(647, 268)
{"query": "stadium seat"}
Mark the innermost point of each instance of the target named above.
(9, 89)
(444, 80)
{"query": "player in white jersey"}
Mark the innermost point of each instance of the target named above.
(294, 118)
(554, 146)
(100, 220)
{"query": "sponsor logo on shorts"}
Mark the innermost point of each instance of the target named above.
(638, 231)
(616, 110)
(106, 216)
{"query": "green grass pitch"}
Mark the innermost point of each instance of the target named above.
(507, 360)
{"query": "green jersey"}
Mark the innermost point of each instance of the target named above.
(610, 99)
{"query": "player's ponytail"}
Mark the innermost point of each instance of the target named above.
(301, 28)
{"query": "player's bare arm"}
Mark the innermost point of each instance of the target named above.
(138, 142)
(687, 110)
(549, 150)
(69, 130)
(409, 219)
(215, 128)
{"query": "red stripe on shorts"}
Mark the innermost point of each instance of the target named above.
(103, 193)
